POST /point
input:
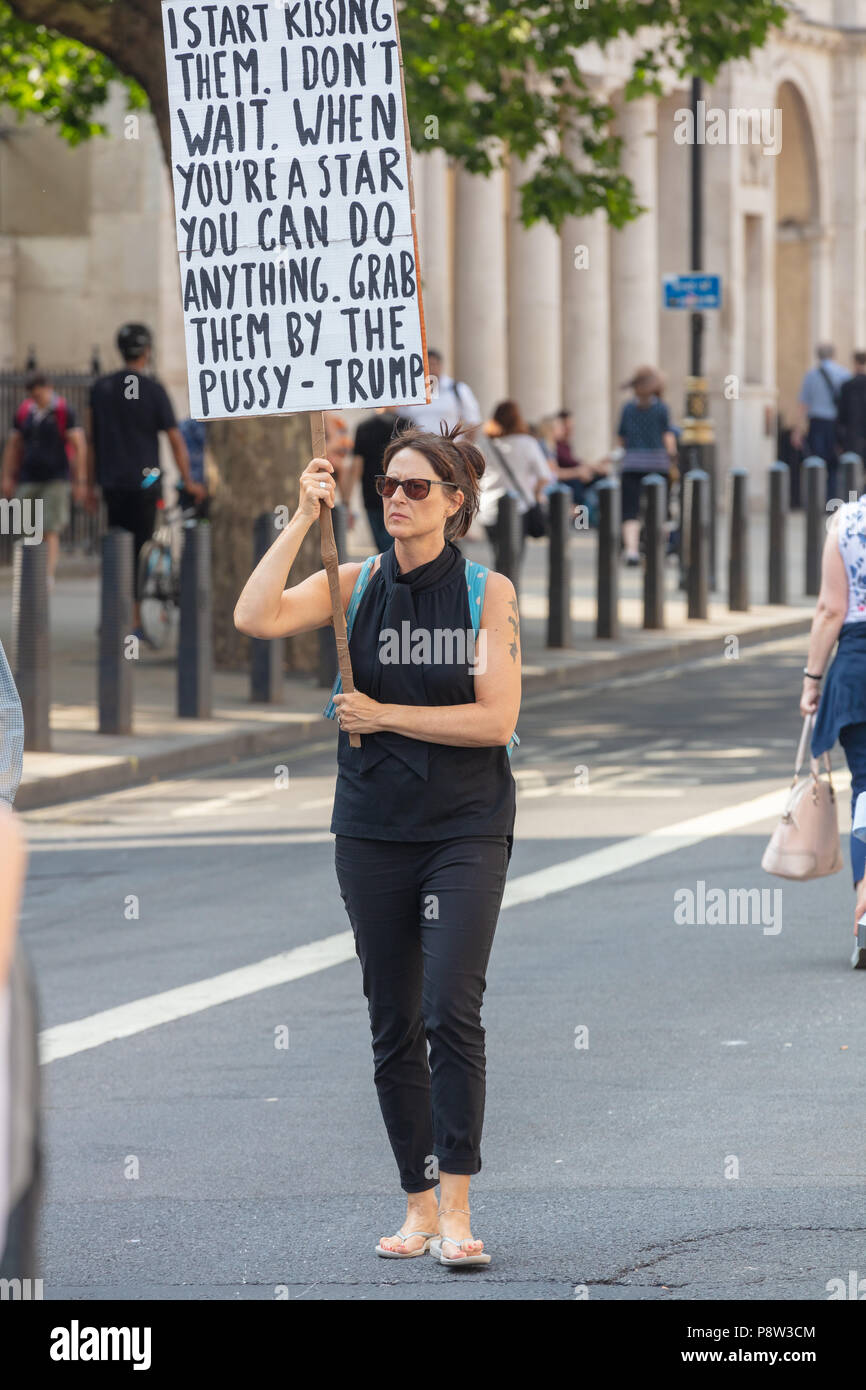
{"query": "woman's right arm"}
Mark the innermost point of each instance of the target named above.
(13, 862)
(829, 616)
(266, 608)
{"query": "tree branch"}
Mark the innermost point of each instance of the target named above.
(129, 32)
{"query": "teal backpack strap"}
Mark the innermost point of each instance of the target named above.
(330, 710)
(476, 583)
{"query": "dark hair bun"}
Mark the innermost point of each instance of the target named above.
(461, 436)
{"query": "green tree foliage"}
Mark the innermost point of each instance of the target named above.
(44, 73)
(499, 76)
(482, 79)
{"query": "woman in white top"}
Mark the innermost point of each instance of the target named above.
(840, 710)
(515, 463)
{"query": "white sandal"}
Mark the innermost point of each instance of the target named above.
(455, 1261)
(406, 1254)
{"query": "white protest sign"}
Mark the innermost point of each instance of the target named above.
(298, 258)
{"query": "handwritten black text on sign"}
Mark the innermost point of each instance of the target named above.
(298, 270)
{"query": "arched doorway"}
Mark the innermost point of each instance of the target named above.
(798, 230)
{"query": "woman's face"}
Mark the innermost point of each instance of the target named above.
(405, 519)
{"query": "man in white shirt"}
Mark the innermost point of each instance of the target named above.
(819, 404)
(452, 401)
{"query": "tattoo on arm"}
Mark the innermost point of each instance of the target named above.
(515, 623)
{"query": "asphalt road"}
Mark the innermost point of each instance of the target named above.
(706, 1142)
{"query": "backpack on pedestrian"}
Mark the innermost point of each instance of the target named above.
(59, 408)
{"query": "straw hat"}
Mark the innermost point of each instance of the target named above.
(647, 379)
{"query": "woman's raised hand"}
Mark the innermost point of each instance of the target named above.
(317, 484)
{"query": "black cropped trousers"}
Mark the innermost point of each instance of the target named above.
(423, 915)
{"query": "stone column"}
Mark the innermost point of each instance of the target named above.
(433, 203)
(849, 123)
(8, 328)
(480, 330)
(586, 333)
(634, 249)
(535, 348)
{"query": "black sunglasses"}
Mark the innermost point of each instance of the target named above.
(416, 489)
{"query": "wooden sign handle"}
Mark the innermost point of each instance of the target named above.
(331, 562)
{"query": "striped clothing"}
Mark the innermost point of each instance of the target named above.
(642, 430)
(11, 733)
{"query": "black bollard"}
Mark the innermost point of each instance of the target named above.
(31, 643)
(195, 643)
(117, 652)
(607, 594)
(509, 527)
(708, 453)
(559, 570)
(266, 655)
(816, 516)
(697, 494)
(738, 542)
(780, 492)
(653, 510)
(850, 476)
(684, 465)
(328, 665)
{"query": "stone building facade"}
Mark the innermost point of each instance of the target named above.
(86, 240)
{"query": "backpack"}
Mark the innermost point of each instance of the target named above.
(61, 415)
(476, 582)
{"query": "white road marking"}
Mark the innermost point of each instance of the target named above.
(68, 1039)
(625, 854)
(172, 785)
(222, 803)
(180, 842)
(172, 1004)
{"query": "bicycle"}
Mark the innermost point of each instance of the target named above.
(159, 574)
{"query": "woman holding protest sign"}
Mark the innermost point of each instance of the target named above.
(424, 809)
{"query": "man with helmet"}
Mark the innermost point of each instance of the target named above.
(128, 411)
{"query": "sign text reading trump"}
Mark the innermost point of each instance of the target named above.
(297, 256)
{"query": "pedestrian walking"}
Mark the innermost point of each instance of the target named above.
(339, 450)
(453, 401)
(129, 409)
(819, 403)
(194, 434)
(649, 446)
(424, 808)
(851, 419)
(514, 462)
(20, 1185)
(45, 446)
(838, 701)
(372, 438)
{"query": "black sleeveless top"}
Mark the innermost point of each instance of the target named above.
(412, 644)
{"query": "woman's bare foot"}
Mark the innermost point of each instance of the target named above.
(860, 902)
(456, 1226)
(421, 1215)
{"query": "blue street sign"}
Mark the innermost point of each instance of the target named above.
(692, 291)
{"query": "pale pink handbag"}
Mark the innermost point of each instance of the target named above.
(805, 843)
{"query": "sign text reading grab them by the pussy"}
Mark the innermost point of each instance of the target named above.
(298, 261)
